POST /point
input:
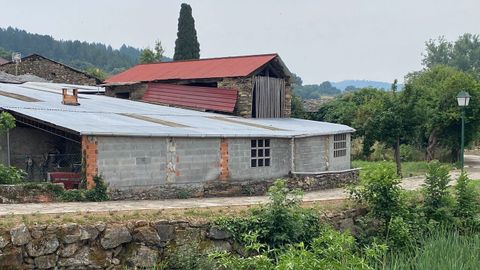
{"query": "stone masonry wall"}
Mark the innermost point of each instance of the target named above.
(135, 91)
(244, 87)
(50, 71)
(134, 244)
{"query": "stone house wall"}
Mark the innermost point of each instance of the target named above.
(50, 71)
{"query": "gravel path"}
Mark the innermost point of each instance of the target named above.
(472, 163)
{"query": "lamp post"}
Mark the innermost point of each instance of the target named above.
(463, 98)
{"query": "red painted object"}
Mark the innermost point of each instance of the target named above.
(226, 67)
(207, 98)
(70, 180)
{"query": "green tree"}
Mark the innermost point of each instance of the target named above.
(435, 92)
(97, 73)
(463, 54)
(186, 45)
(147, 56)
(7, 122)
(5, 54)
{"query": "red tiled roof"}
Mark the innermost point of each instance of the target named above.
(237, 66)
(207, 98)
(3, 61)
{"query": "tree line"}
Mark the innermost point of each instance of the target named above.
(81, 55)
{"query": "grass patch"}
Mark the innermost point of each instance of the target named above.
(443, 250)
(409, 168)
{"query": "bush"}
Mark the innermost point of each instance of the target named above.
(99, 192)
(330, 250)
(11, 175)
(96, 194)
(186, 257)
(381, 192)
(466, 207)
(282, 221)
(437, 200)
(73, 195)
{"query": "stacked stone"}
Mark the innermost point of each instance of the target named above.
(103, 246)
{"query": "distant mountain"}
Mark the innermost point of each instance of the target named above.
(364, 83)
(78, 54)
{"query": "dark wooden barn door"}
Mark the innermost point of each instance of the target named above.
(268, 99)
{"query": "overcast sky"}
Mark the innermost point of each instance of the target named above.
(318, 40)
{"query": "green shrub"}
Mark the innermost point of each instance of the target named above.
(73, 195)
(99, 192)
(437, 200)
(11, 175)
(330, 250)
(187, 256)
(282, 221)
(380, 191)
(466, 206)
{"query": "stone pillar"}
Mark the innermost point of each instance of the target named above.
(288, 100)
(89, 151)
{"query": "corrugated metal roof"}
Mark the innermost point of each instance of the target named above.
(207, 98)
(237, 66)
(102, 115)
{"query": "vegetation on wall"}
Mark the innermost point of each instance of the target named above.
(186, 45)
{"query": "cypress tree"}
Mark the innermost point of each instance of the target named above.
(186, 45)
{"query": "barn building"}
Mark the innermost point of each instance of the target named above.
(49, 70)
(152, 151)
(252, 86)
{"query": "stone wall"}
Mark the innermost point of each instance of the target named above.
(133, 91)
(244, 87)
(29, 193)
(50, 71)
(307, 182)
(132, 244)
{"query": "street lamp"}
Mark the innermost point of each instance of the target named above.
(463, 98)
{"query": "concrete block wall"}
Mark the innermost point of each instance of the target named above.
(139, 162)
(239, 166)
(311, 154)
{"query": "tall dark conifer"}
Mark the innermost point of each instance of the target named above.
(186, 45)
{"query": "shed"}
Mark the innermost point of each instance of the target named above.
(151, 151)
(262, 83)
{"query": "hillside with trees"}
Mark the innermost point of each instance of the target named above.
(78, 54)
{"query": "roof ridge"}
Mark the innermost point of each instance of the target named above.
(212, 58)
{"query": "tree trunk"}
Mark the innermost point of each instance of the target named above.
(432, 142)
(397, 157)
